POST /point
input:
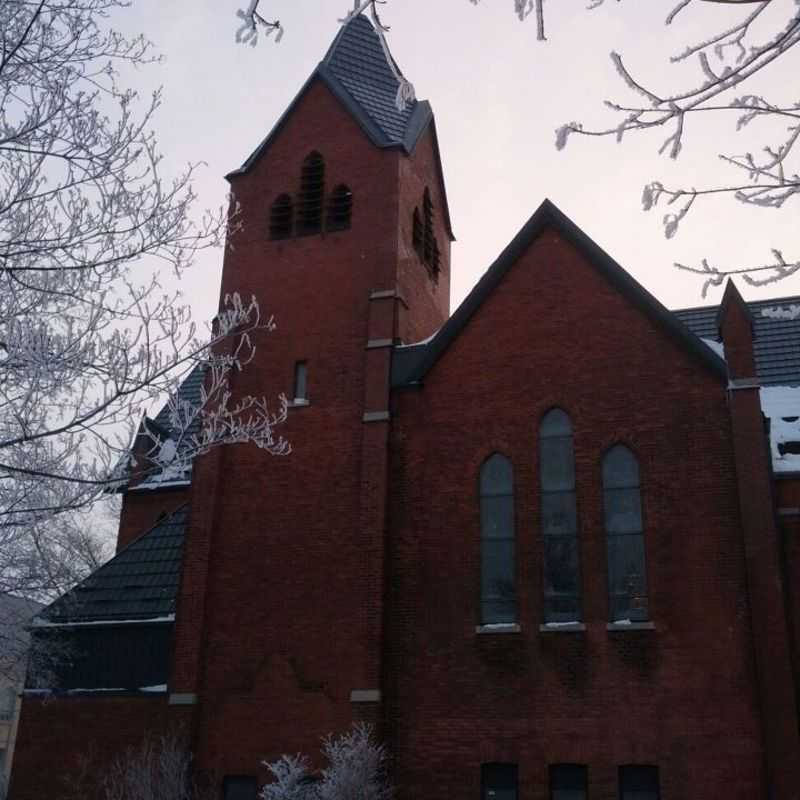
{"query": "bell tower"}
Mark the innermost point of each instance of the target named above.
(345, 238)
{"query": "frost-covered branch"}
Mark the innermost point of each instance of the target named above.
(90, 225)
(252, 22)
(736, 53)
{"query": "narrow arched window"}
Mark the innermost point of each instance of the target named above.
(427, 230)
(280, 218)
(416, 234)
(340, 208)
(622, 507)
(562, 582)
(498, 584)
(312, 194)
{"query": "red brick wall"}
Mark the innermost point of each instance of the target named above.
(428, 300)
(555, 333)
(788, 503)
(62, 740)
(287, 586)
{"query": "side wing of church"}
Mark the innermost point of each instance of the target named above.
(548, 545)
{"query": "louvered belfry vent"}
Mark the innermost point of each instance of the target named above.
(312, 192)
(280, 218)
(340, 208)
(417, 236)
(427, 209)
(424, 237)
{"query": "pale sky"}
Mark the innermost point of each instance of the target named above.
(498, 96)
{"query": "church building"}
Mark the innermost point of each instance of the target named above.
(548, 545)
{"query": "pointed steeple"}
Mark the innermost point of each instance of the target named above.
(361, 74)
(367, 72)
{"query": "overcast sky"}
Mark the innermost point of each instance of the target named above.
(498, 96)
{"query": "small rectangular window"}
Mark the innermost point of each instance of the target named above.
(499, 782)
(239, 787)
(301, 381)
(638, 782)
(569, 782)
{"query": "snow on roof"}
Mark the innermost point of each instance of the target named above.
(782, 405)
(716, 346)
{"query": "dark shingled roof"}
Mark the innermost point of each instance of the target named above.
(189, 392)
(139, 583)
(777, 341)
(356, 58)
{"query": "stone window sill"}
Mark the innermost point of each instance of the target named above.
(562, 627)
(631, 626)
(510, 627)
(299, 402)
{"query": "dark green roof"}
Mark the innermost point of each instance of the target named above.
(139, 583)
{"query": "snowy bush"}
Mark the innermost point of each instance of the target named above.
(356, 770)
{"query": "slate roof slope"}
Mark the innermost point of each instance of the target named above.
(411, 364)
(776, 344)
(139, 583)
(356, 58)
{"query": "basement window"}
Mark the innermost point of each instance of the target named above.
(499, 782)
(568, 781)
(239, 787)
(638, 782)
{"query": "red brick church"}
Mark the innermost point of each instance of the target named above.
(548, 544)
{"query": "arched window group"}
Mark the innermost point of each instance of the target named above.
(310, 213)
(623, 528)
(424, 236)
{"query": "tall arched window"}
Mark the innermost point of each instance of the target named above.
(340, 207)
(562, 579)
(312, 195)
(280, 218)
(622, 506)
(498, 584)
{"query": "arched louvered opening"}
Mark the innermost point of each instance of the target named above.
(559, 519)
(428, 238)
(416, 234)
(280, 218)
(340, 209)
(312, 194)
(498, 584)
(622, 511)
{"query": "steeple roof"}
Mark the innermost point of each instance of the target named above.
(358, 61)
(358, 72)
